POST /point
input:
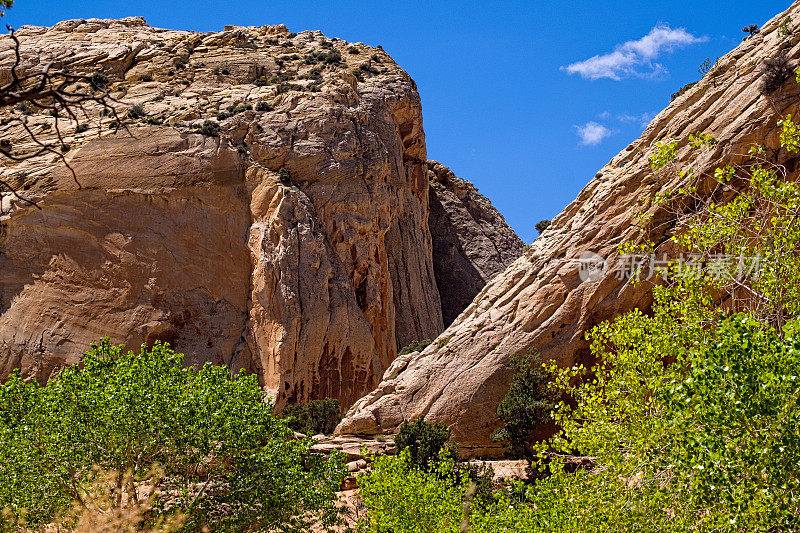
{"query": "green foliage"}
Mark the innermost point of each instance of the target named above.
(286, 87)
(526, 407)
(542, 225)
(402, 498)
(333, 57)
(441, 342)
(210, 128)
(423, 441)
(314, 417)
(368, 68)
(285, 176)
(415, 346)
(691, 413)
(786, 28)
(665, 154)
(226, 462)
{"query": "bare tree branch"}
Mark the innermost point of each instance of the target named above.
(65, 95)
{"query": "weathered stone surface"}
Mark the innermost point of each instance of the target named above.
(540, 301)
(471, 240)
(169, 234)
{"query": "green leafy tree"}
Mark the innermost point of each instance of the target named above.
(691, 413)
(526, 407)
(422, 440)
(314, 417)
(226, 462)
(403, 498)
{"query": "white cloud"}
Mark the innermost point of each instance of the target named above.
(635, 58)
(592, 133)
(643, 120)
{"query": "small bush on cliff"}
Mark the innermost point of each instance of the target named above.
(423, 441)
(314, 417)
(415, 346)
(775, 72)
(526, 407)
(542, 225)
(210, 128)
(226, 462)
(751, 30)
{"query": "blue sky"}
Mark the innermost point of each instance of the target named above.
(501, 104)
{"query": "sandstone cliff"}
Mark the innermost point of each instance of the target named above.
(171, 230)
(540, 301)
(192, 238)
(471, 240)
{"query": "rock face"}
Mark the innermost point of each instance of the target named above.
(471, 240)
(540, 301)
(165, 230)
(169, 234)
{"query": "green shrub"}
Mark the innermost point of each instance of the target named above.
(368, 68)
(333, 57)
(286, 87)
(423, 441)
(786, 28)
(285, 176)
(263, 106)
(415, 346)
(210, 128)
(80, 128)
(226, 462)
(526, 406)
(146, 77)
(402, 498)
(314, 417)
(136, 111)
(542, 225)
(353, 50)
